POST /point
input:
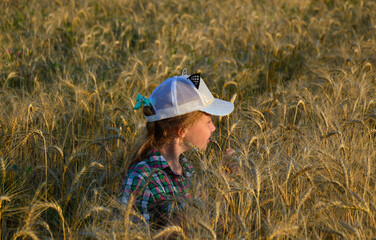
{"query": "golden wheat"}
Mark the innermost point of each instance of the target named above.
(300, 73)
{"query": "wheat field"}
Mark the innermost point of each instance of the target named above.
(300, 73)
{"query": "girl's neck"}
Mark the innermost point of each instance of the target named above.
(171, 153)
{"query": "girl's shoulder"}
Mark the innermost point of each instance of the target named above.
(142, 169)
(146, 166)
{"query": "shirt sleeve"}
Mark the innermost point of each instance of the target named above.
(134, 184)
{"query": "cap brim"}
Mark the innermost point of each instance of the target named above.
(219, 108)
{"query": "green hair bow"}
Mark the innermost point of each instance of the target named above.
(141, 100)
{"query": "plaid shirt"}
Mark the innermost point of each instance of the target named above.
(157, 196)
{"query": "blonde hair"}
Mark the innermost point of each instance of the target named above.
(161, 132)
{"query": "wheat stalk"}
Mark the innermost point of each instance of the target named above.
(166, 232)
(25, 232)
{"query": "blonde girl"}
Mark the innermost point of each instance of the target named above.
(179, 118)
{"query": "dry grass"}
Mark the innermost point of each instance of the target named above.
(301, 74)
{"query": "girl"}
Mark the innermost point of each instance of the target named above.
(178, 114)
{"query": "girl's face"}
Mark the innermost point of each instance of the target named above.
(199, 133)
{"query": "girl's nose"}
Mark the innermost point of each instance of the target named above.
(212, 127)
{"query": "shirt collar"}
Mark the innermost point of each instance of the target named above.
(157, 161)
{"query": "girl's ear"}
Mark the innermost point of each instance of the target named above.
(181, 132)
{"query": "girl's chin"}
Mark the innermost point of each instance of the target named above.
(204, 147)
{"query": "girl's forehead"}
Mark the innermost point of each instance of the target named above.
(204, 117)
(206, 114)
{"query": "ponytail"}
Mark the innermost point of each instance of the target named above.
(146, 145)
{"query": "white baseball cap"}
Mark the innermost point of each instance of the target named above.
(184, 94)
